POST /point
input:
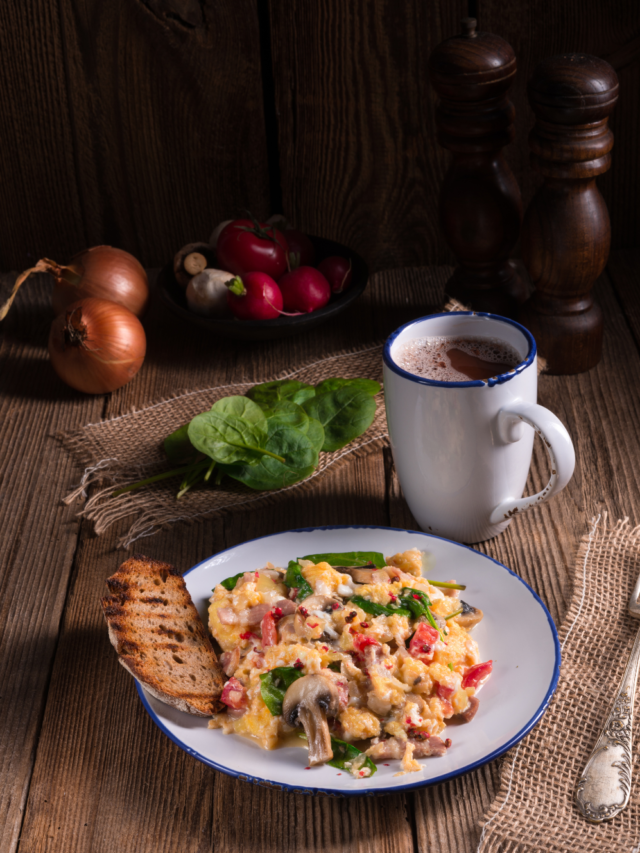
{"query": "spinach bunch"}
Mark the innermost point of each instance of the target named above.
(272, 437)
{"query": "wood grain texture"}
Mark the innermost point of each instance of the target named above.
(106, 780)
(358, 156)
(138, 124)
(537, 29)
(39, 535)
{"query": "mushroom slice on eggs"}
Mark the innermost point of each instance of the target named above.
(307, 703)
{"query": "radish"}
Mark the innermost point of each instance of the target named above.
(337, 272)
(301, 251)
(255, 296)
(304, 289)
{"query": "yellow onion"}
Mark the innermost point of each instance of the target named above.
(96, 345)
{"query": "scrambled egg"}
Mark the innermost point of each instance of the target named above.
(399, 676)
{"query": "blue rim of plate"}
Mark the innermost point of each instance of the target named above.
(337, 792)
(500, 379)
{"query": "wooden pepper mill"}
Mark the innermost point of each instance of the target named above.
(480, 203)
(566, 233)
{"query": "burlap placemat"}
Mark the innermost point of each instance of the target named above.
(128, 448)
(535, 807)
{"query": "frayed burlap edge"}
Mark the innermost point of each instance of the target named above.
(156, 507)
(505, 829)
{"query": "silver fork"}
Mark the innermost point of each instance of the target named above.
(604, 788)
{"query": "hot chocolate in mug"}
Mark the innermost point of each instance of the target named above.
(463, 450)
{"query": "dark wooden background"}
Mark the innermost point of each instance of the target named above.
(142, 123)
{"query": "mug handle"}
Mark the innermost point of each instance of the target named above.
(562, 456)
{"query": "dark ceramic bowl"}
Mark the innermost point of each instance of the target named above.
(263, 330)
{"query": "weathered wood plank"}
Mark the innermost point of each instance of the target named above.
(358, 155)
(541, 545)
(137, 123)
(538, 29)
(39, 536)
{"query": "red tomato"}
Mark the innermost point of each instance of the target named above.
(423, 642)
(360, 642)
(234, 695)
(269, 630)
(443, 691)
(244, 246)
(475, 675)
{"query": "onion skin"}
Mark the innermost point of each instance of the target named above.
(103, 272)
(96, 345)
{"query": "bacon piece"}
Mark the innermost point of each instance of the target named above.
(227, 616)
(256, 614)
(234, 695)
(430, 746)
(287, 607)
(423, 642)
(469, 713)
(477, 674)
(230, 661)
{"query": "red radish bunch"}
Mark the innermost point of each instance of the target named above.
(273, 272)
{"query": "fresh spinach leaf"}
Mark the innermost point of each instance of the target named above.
(349, 558)
(335, 665)
(230, 583)
(294, 579)
(235, 430)
(344, 414)
(292, 446)
(274, 684)
(288, 413)
(418, 603)
(370, 386)
(344, 752)
(375, 609)
(315, 434)
(178, 448)
(269, 393)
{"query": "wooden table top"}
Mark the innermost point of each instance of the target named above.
(82, 766)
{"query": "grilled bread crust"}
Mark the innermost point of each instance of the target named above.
(156, 630)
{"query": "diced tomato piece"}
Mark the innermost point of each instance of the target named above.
(423, 642)
(269, 630)
(360, 642)
(234, 695)
(444, 692)
(476, 674)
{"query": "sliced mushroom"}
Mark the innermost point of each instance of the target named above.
(307, 703)
(365, 574)
(191, 260)
(287, 631)
(320, 602)
(470, 616)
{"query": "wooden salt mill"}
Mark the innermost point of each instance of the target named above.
(480, 203)
(566, 233)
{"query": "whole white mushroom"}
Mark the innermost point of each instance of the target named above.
(207, 293)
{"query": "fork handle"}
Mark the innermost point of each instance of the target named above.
(603, 791)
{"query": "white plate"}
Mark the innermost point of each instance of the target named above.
(517, 633)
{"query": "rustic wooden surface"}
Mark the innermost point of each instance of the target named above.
(138, 123)
(82, 767)
(142, 123)
(537, 29)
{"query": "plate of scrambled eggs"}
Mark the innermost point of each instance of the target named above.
(365, 660)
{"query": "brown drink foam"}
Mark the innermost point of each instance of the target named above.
(456, 359)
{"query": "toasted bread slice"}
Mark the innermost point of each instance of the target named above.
(156, 629)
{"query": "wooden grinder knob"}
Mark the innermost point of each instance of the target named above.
(566, 233)
(480, 203)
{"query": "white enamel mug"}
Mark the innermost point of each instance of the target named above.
(462, 450)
